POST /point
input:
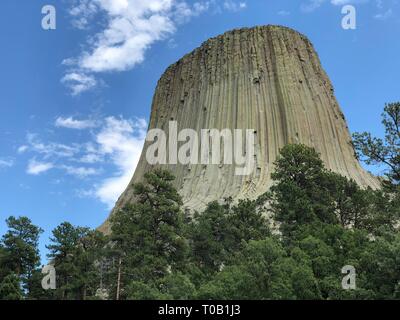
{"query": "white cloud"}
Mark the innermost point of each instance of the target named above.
(6, 163)
(36, 167)
(82, 11)
(184, 12)
(234, 6)
(78, 82)
(123, 141)
(71, 123)
(80, 172)
(133, 26)
(91, 158)
(283, 13)
(385, 15)
(115, 142)
(344, 2)
(22, 149)
(51, 149)
(312, 5)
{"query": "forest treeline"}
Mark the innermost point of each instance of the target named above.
(290, 243)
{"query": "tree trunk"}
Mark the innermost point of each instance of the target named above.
(119, 278)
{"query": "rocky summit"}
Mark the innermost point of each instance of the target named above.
(268, 79)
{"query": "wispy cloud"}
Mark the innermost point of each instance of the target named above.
(384, 15)
(37, 167)
(6, 163)
(133, 27)
(82, 11)
(284, 13)
(123, 141)
(71, 123)
(234, 6)
(91, 158)
(50, 149)
(22, 149)
(80, 172)
(113, 142)
(312, 5)
(78, 82)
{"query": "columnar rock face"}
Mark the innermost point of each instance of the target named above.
(265, 78)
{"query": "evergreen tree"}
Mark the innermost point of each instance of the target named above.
(211, 238)
(20, 253)
(326, 221)
(74, 252)
(5, 268)
(36, 292)
(262, 270)
(10, 288)
(385, 151)
(332, 222)
(302, 193)
(148, 235)
(222, 229)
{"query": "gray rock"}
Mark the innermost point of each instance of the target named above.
(267, 78)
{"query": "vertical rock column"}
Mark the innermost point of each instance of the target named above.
(268, 79)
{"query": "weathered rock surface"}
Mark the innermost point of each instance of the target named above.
(265, 78)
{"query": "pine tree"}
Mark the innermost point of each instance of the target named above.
(301, 195)
(148, 235)
(74, 252)
(20, 253)
(222, 229)
(385, 151)
(10, 288)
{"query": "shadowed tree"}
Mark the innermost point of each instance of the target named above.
(385, 151)
(149, 233)
(20, 253)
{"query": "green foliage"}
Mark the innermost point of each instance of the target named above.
(210, 237)
(138, 290)
(381, 267)
(307, 195)
(385, 151)
(10, 288)
(75, 252)
(326, 221)
(148, 235)
(229, 251)
(19, 253)
(221, 230)
(174, 286)
(302, 194)
(262, 270)
(232, 283)
(21, 244)
(36, 292)
(343, 224)
(5, 268)
(178, 286)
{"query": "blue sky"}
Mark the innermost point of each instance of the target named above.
(75, 101)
